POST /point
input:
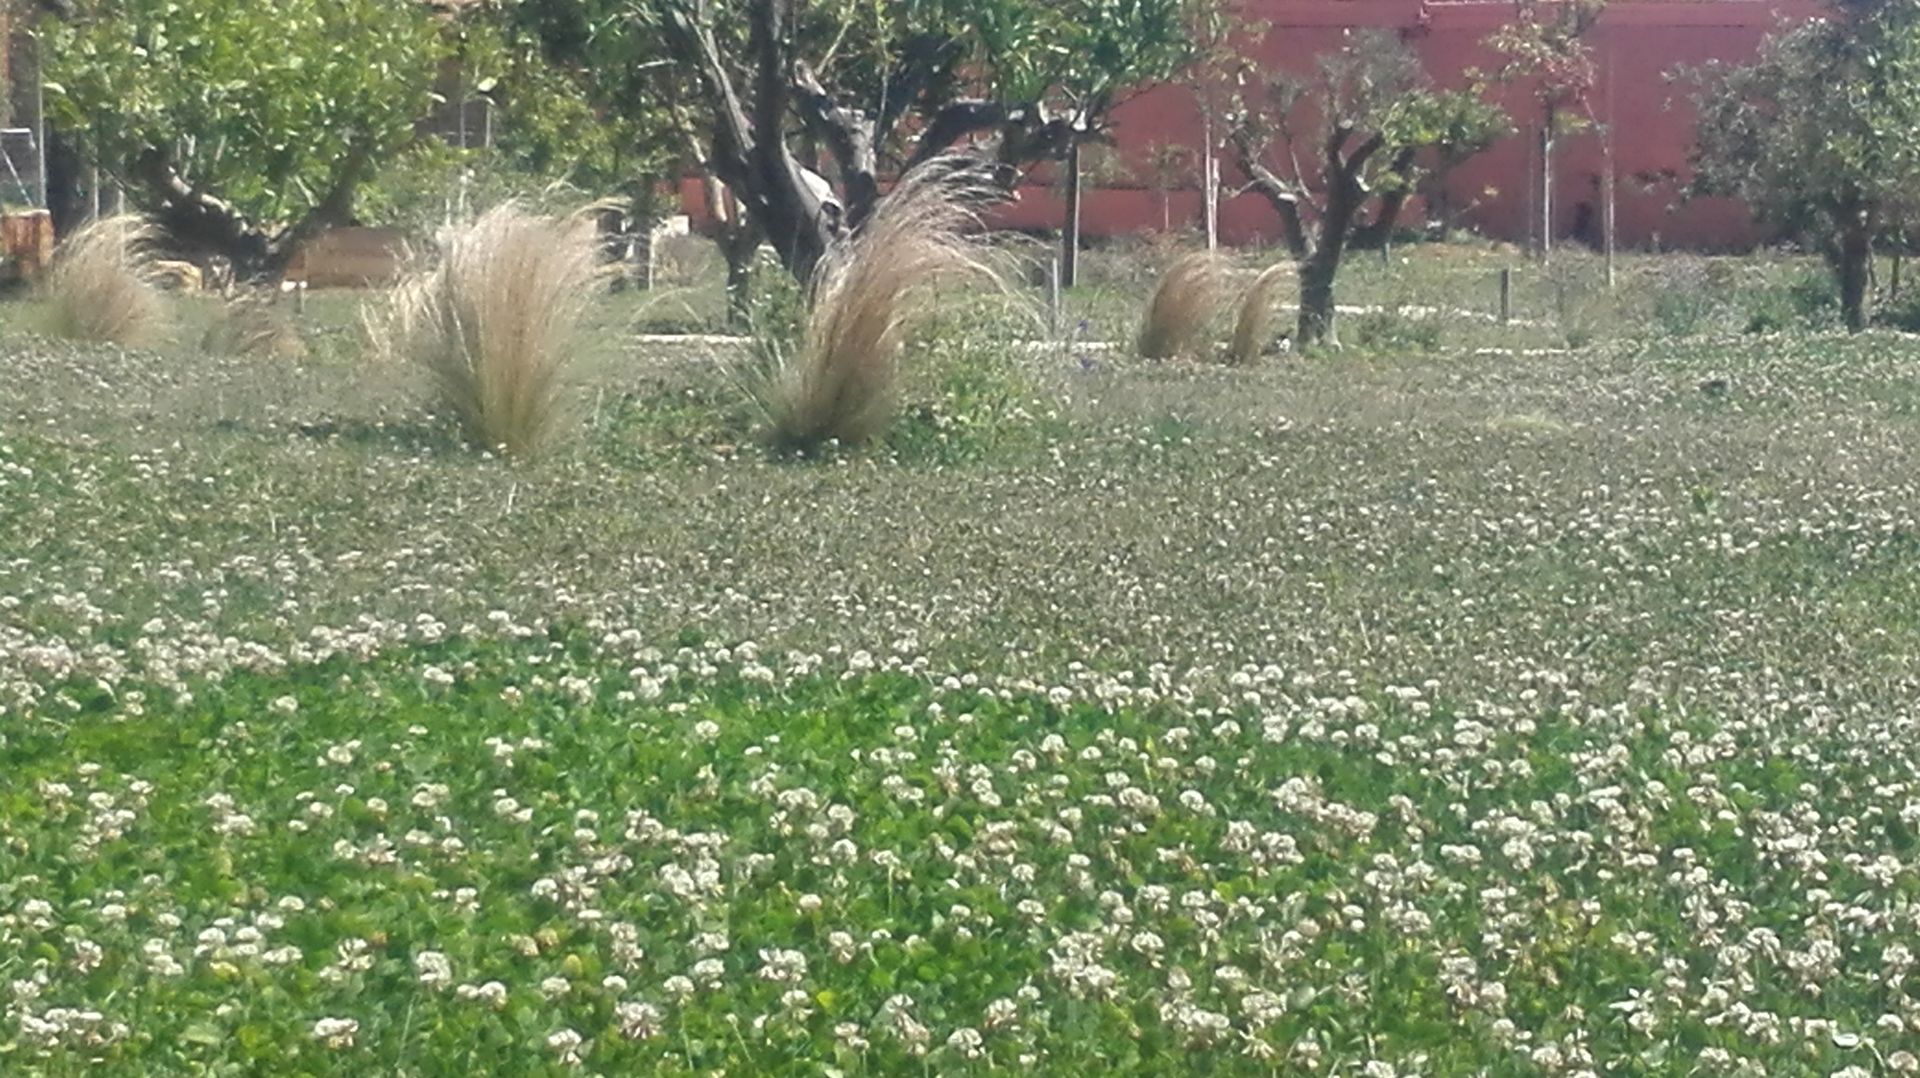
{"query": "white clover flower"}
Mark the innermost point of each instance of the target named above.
(637, 1020)
(782, 967)
(336, 1033)
(567, 1045)
(492, 993)
(967, 1042)
(434, 969)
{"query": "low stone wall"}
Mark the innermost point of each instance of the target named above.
(350, 258)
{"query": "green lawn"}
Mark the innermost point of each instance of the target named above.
(1445, 706)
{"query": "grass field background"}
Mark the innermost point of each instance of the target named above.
(1532, 699)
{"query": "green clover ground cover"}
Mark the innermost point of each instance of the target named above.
(554, 850)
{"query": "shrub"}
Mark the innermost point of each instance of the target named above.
(1182, 305)
(1392, 330)
(254, 323)
(100, 288)
(837, 378)
(972, 396)
(1683, 298)
(1253, 328)
(1808, 301)
(491, 322)
(1581, 304)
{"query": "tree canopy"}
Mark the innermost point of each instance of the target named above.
(243, 128)
(1820, 135)
(803, 109)
(1359, 133)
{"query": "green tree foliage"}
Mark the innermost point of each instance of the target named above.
(243, 127)
(1356, 137)
(803, 108)
(1821, 134)
(543, 140)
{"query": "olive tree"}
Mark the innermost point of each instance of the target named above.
(1821, 133)
(242, 128)
(1337, 154)
(805, 108)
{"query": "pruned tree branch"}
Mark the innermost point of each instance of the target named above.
(1284, 197)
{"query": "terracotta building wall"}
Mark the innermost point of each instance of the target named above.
(1637, 44)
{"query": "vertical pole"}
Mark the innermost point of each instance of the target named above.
(1533, 197)
(1609, 182)
(1053, 295)
(1070, 237)
(1546, 189)
(1506, 296)
(39, 121)
(1606, 213)
(1209, 175)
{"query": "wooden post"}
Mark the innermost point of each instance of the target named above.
(1506, 296)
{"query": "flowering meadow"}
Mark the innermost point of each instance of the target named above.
(1486, 712)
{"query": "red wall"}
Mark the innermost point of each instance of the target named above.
(1637, 45)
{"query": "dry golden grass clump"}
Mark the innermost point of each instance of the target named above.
(1183, 304)
(840, 381)
(492, 321)
(1253, 328)
(255, 323)
(100, 288)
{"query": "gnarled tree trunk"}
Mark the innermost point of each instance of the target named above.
(1853, 264)
(1322, 267)
(200, 221)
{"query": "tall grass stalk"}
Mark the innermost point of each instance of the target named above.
(493, 320)
(1253, 327)
(1183, 304)
(255, 322)
(100, 288)
(839, 381)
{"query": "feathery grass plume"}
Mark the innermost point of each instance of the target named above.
(839, 381)
(99, 288)
(254, 323)
(1253, 328)
(492, 320)
(1183, 303)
